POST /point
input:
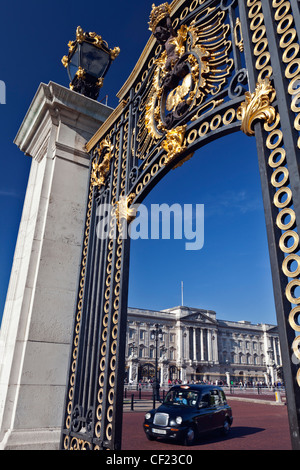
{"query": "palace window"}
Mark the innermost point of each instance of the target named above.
(131, 333)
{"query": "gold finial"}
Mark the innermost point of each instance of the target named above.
(80, 72)
(79, 34)
(114, 53)
(157, 14)
(65, 61)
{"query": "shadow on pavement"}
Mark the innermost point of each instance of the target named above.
(236, 432)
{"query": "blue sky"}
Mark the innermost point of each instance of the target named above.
(231, 274)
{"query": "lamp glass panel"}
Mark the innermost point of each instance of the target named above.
(94, 60)
(74, 64)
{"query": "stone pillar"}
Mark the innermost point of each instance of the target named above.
(275, 351)
(163, 373)
(227, 378)
(209, 346)
(202, 344)
(215, 347)
(38, 314)
(279, 352)
(179, 341)
(133, 372)
(194, 345)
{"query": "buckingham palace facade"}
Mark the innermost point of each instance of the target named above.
(193, 345)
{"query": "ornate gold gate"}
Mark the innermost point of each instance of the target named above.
(210, 68)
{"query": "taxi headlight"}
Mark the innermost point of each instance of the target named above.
(147, 415)
(178, 420)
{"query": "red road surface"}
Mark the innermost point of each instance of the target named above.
(255, 427)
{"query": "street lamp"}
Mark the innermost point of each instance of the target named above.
(87, 62)
(155, 334)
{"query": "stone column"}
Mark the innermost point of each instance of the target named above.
(133, 371)
(279, 352)
(38, 314)
(130, 372)
(164, 373)
(275, 350)
(228, 378)
(201, 345)
(194, 345)
(180, 350)
(215, 347)
(209, 346)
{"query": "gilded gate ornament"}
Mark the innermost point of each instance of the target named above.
(101, 169)
(173, 143)
(195, 63)
(257, 106)
(159, 13)
(123, 210)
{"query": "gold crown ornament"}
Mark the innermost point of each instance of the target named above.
(157, 14)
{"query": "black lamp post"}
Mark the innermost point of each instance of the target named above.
(155, 334)
(87, 62)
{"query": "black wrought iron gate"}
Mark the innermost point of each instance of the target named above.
(210, 68)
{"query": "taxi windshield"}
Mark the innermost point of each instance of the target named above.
(182, 397)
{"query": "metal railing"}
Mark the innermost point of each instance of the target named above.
(136, 396)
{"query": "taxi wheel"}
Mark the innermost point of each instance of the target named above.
(190, 437)
(226, 428)
(150, 438)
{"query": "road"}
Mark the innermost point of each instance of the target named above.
(256, 426)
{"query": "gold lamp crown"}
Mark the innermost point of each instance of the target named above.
(157, 14)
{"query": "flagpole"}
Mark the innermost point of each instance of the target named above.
(182, 293)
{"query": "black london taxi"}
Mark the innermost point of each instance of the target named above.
(188, 411)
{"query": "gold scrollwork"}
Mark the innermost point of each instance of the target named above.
(205, 51)
(101, 170)
(174, 143)
(257, 106)
(123, 210)
(238, 35)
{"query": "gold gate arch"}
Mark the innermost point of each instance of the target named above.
(210, 68)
